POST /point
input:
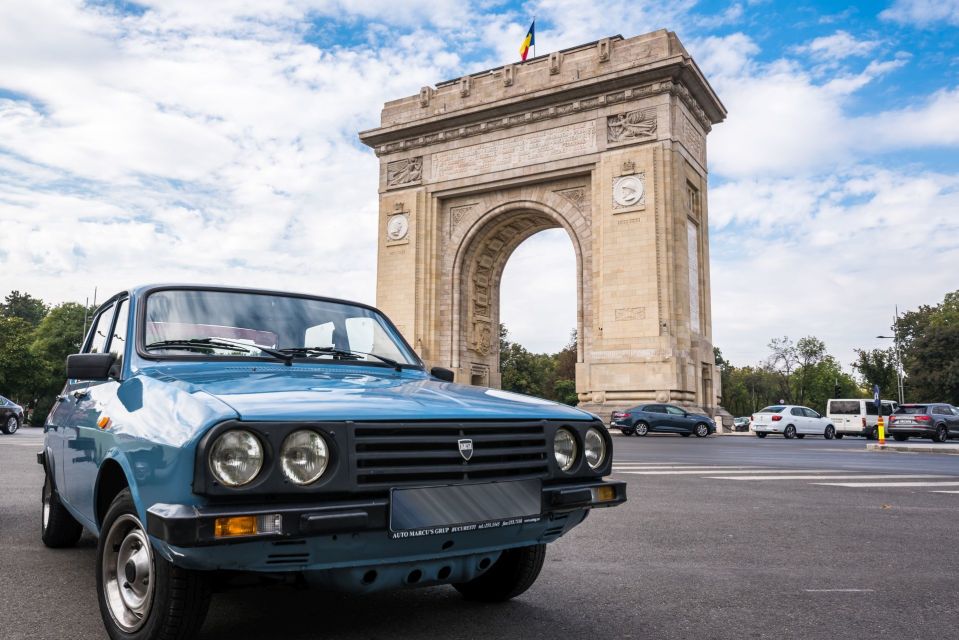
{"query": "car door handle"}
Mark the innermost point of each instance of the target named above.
(81, 394)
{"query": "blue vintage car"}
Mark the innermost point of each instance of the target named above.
(209, 434)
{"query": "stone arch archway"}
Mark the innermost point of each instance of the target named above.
(607, 141)
(477, 270)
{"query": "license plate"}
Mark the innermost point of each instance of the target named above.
(427, 511)
(905, 422)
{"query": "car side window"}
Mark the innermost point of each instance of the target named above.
(118, 341)
(654, 408)
(796, 411)
(676, 411)
(810, 413)
(100, 332)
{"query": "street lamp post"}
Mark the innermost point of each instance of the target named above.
(899, 372)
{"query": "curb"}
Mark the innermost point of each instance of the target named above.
(903, 447)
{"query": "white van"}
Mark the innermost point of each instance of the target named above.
(858, 417)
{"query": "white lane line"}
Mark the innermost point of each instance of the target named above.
(839, 590)
(726, 470)
(944, 491)
(884, 476)
(691, 468)
(888, 484)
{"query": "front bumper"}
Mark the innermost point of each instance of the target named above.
(192, 526)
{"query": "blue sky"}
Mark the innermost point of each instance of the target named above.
(216, 141)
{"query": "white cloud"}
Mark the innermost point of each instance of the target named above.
(923, 13)
(838, 46)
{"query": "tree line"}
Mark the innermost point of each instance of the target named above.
(35, 340)
(925, 345)
(546, 375)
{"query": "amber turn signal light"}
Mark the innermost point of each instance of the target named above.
(235, 526)
(605, 494)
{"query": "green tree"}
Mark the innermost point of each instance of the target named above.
(58, 335)
(878, 366)
(20, 369)
(24, 306)
(927, 341)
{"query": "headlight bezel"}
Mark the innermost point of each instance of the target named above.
(576, 453)
(271, 480)
(603, 450)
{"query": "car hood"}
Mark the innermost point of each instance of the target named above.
(309, 392)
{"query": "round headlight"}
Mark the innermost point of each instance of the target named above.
(564, 448)
(236, 458)
(304, 456)
(594, 449)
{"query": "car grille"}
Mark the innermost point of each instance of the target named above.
(389, 455)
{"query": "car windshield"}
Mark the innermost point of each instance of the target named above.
(240, 323)
(774, 409)
(915, 410)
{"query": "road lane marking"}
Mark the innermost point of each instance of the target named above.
(685, 472)
(944, 491)
(839, 590)
(888, 484)
(867, 476)
(689, 468)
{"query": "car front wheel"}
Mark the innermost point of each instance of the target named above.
(830, 432)
(790, 432)
(141, 595)
(11, 426)
(941, 434)
(514, 572)
(702, 430)
(641, 429)
(58, 529)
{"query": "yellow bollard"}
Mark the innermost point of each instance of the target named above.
(882, 432)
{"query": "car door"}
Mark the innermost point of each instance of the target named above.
(815, 423)
(798, 419)
(85, 443)
(677, 419)
(656, 416)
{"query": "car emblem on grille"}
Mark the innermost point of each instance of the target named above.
(466, 448)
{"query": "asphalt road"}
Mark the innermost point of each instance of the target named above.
(725, 537)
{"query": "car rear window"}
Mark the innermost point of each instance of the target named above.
(772, 409)
(916, 409)
(844, 407)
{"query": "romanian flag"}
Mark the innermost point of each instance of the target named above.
(528, 41)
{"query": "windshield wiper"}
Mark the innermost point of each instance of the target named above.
(340, 353)
(219, 343)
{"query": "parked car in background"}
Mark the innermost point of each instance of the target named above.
(936, 421)
(741, 423)
(11, 416)
(792, 421)
(662, 418)
(211, 436)
(858, 417)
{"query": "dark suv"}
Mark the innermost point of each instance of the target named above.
(665, 418)
(936, 421)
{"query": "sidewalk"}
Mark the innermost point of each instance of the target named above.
(915, 447)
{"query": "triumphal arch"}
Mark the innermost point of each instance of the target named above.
(606, 141)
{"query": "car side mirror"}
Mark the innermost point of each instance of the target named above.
(90, 366)
(442, 374)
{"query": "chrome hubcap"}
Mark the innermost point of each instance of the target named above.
(641, 429)
(46, 509)
(128, 573)
(12, 425)
(701, 430)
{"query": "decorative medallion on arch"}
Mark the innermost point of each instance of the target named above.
(609, 154)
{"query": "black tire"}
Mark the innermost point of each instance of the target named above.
(685, 435)
(898, 437)
(701, 430)
(514, 572)
(627, 432)
(58, 529)
(942, 434)
(871, 435)
(800, 436)
(10, 425)
(179, 598)
(789, 432)
(839, 436)
(641, 429)
(760, 434)
(830, 432)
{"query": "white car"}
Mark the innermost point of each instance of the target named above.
(792, 422)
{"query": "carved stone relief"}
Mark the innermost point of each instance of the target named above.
(406, 171)
(458, 213)
(630, 313)
(694, 141)
(629, 191)
(397, 227)
(632, 125)
(575, 196)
